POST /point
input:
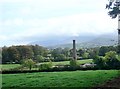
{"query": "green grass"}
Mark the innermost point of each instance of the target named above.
(8, 66)
(11, 66)
(68, 62)
(58, 79)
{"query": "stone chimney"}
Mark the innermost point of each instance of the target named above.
(74, 50)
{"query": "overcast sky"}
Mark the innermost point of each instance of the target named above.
(22, 19)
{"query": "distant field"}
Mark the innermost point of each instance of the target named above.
(11, 66)
(8, 66)
(58, 79)
(68, 62)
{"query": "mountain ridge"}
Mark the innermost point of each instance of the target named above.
(84, 41)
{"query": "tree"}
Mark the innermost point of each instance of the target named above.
(39, 50)
(85, 55)
(26, 52)
(5, 57)
(28, 63)
(114, 11)
(111, 59)
(103, 50)
(13, 54)
(45, 66)
(99, 61)
(66, 52)
(61, 57)
(36, 50)
(19, 53)
(112, 48)
(92, 54)
(81, 52)
(73, 64)
(56, 52)
(40, 58)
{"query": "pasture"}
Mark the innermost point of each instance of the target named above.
(59, 79)
(12, 66)
(68, 62)
(8, 66)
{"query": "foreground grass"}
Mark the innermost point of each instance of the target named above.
(58, 79)
(8, 66)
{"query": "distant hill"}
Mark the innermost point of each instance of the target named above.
(59, 40)
(82, 41)
(103, 40)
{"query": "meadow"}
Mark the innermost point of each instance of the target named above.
(12, 66)
(8, 66)
(68, 62)
(59, 79)
(89, 78)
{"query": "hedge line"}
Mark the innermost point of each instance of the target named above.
(55, 69)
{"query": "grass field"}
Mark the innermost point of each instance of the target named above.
(8, 66)
(11, 66)
(58, 79)
(68, 62)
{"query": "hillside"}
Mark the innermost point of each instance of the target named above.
(103, 40)
(82, 41)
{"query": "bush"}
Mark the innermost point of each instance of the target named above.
(28, 63)
(40, 58)
(46, 66)
(99, 61)
(85, 55)
(60, 57)
(73, 64)
(111, 59)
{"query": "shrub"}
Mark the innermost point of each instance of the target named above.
(28, 63)
(85, 55)
(99, 61)
(73, 64)
(60, 57)
(45, 66)
(111, 59)
(39, 58)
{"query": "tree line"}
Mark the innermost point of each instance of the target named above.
(16, 54)
(104, 57)
(38, 53)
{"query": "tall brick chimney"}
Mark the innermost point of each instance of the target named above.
(74, 50)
